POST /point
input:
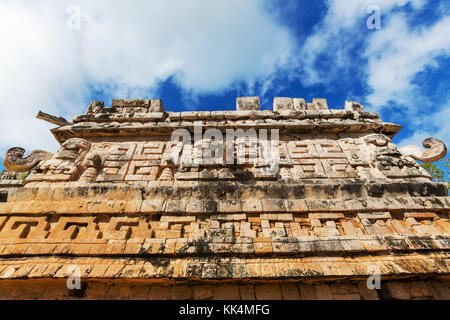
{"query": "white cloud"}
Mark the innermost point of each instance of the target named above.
(433, 125)
(395, 55)
(38, 71)
(128, 46)
(206, 44)
(334, 37)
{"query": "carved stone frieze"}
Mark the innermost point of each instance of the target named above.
(66, 165)
(302, 192)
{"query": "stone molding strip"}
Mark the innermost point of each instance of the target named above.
(225, 115)
(198, 206)
(348, 189)
(285, 246)
(94, 129)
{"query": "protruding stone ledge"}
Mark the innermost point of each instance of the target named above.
(348, 190)
(59, 121)
(256, 247)
(225, 115)
(207, 268)
(81, 206)
(133, 128)
(11, 183)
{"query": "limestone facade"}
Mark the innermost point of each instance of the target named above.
(343, 201)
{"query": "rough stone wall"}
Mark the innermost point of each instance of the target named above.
(275, 290)
(112, 202)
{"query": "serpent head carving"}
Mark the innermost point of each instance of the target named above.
(14, 161)
(436, 150)
(73, 149)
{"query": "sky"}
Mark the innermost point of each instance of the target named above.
(57, 55)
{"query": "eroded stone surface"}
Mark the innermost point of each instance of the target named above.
(343, 200)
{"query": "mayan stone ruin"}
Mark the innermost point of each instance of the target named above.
(335, 204)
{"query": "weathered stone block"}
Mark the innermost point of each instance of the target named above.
(152, 206)
(273, 205)
(299, 104)
(226, 292)
(353, 106)
(283, 105)
(247, 103)
(203, 292)
(268, 292)
(320, 104)
(252, 206)
(156, 105)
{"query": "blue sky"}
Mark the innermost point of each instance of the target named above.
(200, 55)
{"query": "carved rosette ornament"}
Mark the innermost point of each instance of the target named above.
(14, 161)
(436, 150)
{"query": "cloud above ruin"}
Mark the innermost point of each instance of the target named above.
(200, 48)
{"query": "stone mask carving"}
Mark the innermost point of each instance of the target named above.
(65, 165)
